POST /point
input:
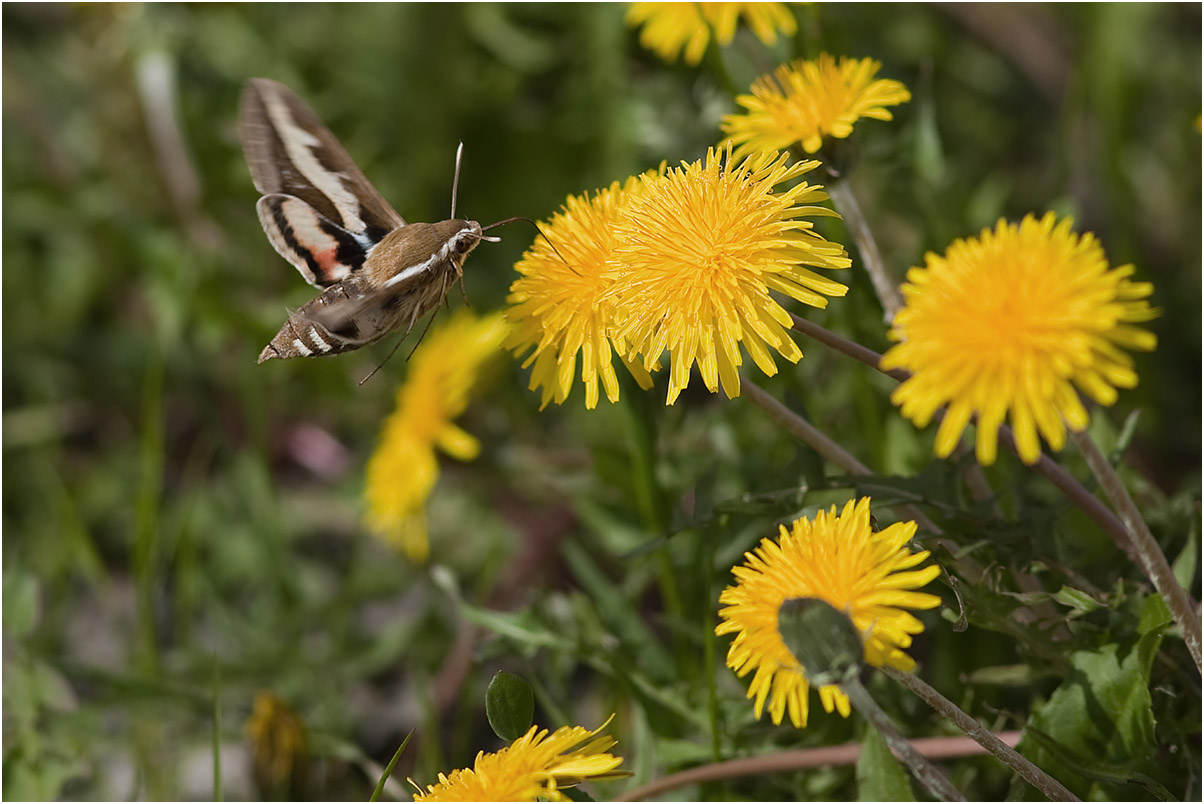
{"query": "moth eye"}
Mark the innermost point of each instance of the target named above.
(463, 245)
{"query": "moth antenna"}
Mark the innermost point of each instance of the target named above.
(543, 234)
(504, 221)
(456, 181)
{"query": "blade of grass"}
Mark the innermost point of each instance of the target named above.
(384, 777)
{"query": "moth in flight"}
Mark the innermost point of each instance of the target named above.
(377, 273)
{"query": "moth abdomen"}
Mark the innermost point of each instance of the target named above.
(305, 334)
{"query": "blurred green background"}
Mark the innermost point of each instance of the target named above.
(181, 526)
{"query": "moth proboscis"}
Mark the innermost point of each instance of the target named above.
(377, 273)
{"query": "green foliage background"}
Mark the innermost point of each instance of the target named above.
(181, 525)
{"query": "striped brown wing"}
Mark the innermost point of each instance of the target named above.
(318, 208)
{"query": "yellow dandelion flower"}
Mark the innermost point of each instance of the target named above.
(534, 765)
(1011, 322)
(559, 306)
(840, 560)
(670, 27)
(403, 470)
(701, 247)
(278, 743)
(806, 101)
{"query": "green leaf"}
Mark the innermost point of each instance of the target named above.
(20, 603)
(1077, 599)
(1186, 562)
(522, 628)
(1102, 713)
(623, 620)
(929, 153)
(880, 777)
(509, 706)
(1124, 437)
(1010, 675)
(1154, 614)
(52, 690)
(1099, 771)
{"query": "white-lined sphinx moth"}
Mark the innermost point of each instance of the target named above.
(376, 272)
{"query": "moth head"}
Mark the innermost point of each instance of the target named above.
(464, 239)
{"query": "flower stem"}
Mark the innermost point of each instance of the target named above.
(924, 771)
(1051, 788)
(884, 286)
(802, 429)
(1146, 548)
(804, 759)
(810, 435)
(845, 346)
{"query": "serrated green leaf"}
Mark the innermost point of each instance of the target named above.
(880, 777)
(1098, 771)
(509, 705)
(1102, 711)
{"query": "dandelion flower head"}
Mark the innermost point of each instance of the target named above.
(558, 305)
(278, 739)
(805, 101)
(699, 249)
(1009, 324)
(535, 765)
(670, 27)
(867, 574)
(402, 471)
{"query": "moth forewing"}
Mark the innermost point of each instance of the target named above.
(289, 150)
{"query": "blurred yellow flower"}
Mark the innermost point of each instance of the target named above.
(1011, 322)
(809, 100)
(278, 745)
(669, 27)
(403, 470)
(838, 559)
(700, 247)
(535, 765)
(559, 306)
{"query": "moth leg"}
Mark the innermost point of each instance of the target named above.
(392, 352)
(464, 293)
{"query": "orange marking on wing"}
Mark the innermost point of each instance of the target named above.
(325, 258)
